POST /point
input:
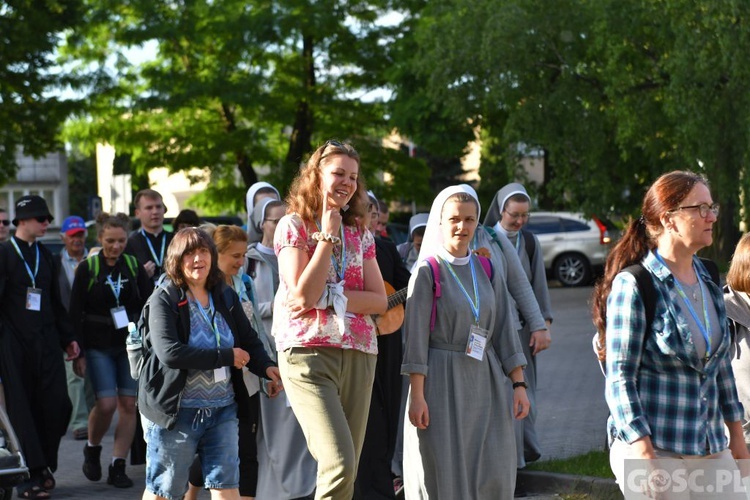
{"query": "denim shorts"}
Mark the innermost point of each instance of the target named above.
(210, 432)
(109, 372)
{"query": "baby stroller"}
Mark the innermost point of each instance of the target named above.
(13, 468)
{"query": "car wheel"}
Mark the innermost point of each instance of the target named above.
(572, 269)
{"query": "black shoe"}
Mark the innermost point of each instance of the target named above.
(92, 467)
(117, 476)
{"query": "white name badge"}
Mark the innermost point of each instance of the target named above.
(220, 374)
(477, 342)
(33, 299)
(119, 317)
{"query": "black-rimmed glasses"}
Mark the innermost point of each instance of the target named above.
(703, 209)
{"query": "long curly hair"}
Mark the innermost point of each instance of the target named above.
(664, 195)
(306, 191)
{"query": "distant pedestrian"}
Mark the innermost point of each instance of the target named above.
(109, 291)
(670, 389)
(4, 225)
(257, 192)
(73, 234)
(186, 218)
(149, 244)
(35, 328)
(737, 303)
(409, 250)
(508, 214)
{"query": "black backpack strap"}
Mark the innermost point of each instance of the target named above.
(530, 244)
(712, 269)
(646, 287)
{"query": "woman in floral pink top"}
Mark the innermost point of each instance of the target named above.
(330, 284)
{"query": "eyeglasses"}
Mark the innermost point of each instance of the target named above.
(5, 222)
(42, 219)
(272, 221)
(703, 209)
(516, 216)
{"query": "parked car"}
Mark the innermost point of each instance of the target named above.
(573, 246)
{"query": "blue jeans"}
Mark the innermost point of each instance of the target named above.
(210, 432)
(109, 372)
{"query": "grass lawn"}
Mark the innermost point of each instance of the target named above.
(594, 463)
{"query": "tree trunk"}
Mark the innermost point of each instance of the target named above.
(244, 165)
(300, 141)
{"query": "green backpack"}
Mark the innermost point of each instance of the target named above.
(93, 268)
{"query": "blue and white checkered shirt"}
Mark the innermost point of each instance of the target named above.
(656, 383)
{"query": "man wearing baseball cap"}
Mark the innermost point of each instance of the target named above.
(35, 329)
(73, 234)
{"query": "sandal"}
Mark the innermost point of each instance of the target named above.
(33, 491)
(48, 480)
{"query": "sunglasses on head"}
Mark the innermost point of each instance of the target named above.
(42, 219)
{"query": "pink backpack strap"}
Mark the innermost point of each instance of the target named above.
(436, 289)
(487, 266)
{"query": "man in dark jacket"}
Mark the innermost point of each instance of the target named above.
(34, 330)
(149, 244)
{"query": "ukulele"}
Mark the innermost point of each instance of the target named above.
(393, 318)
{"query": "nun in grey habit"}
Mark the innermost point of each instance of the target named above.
(466, 449)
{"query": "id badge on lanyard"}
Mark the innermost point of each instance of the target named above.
(477, 342)
(119, 317)
(33, 299)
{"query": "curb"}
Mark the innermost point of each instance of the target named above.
(552, 482)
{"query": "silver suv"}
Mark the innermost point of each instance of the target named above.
(573, 245)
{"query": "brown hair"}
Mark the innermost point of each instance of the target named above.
(305, 194)
(146, 193)
(225, 235)
(105, 220)
(186, 241)
(664, 195)
(738, 277)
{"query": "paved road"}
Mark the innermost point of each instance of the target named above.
(572, 412)
(570, 387)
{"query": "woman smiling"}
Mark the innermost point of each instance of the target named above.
(192, 384)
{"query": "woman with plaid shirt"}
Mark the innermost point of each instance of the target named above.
(670, 387)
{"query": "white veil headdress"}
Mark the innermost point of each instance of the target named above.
(433, 235)
(252, 233)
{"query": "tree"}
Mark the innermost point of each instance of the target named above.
(614, 92)
(30, 111)
(234, 85)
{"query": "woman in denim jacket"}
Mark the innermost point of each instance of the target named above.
(670, 387)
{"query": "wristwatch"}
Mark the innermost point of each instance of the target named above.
(520, 384)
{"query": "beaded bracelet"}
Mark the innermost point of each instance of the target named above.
(320, 236)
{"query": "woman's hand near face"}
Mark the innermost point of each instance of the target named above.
(330, 219)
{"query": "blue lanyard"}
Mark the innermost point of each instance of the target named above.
(705, 326)
(116, 289)
(338, 265)
(473, 303)
(210, 322)
(157, 260)
(28, 269)
(518, 243)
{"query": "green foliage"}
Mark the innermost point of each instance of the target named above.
(615, 93)
(232, 85)
(29, 114)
